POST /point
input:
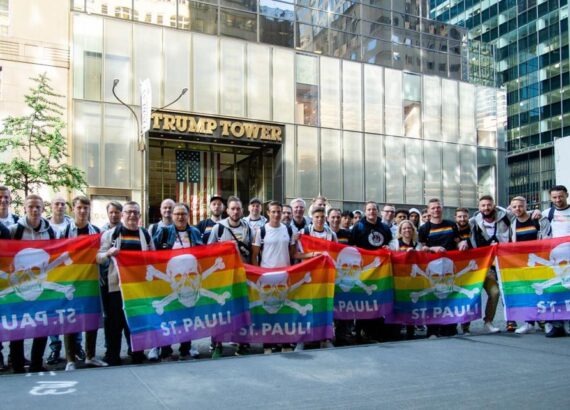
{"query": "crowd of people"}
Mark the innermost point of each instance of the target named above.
(270, 240)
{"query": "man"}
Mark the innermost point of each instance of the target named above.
(114, 210)
(370, 233)
(80, 226)
(176, 236)
(237, 230)
(346, 220)
(4, 234)
(234, 229)
(388, 213)
(319, 202)
(414, 216)
(491, 225)
(424, 216)
(439, 235)
(274, 244)
(464, 230)
(401, 215)
(6, 217)
(125, 236)
(255, 219)
(524, 228)
(318, 229)
(216, 210)
(287, 215)
(559, 216)
(299, 220)
(32, 227)
(166, 207)
(356, 216)
(334, 219)
(60, 222)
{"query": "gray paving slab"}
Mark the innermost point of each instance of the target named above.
(481, 371)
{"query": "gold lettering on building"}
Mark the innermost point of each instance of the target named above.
(216, 127)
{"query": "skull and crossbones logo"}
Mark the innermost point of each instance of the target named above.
(441, 275)
(274, 288)
(183, 275)
(560, 264)
(29, 273)
(349, 268)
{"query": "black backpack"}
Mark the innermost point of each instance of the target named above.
(263, 232)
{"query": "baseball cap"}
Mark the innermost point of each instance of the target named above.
(216, 197)
(255, 201)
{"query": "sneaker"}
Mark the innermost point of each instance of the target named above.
(511, 326)
(489, 328)
(267, 350)
(217, 352)
(54, 357)
(286, 349)
(548, 327)
(80, 353)
(432, 337)
(556, 332)
(94, 362)
(524, 329)
(326, 344)
(153, 354)
(242, 350)
(194, 353)
(70, 366)
(300, 347)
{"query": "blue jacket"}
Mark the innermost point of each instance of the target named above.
(166, 236)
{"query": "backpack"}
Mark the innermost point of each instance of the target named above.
(20, 232)
(244, 249)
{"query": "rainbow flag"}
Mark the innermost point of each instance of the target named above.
(442, 288)
(535, 279)
(173, 296)
(48, 287)
(291, 304)
(364, 286)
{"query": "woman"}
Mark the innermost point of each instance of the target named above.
(406, 238)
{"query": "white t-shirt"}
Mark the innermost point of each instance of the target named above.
(182, 240)
(255, 224)
(560, 223)
(275, 252)
(61, 227)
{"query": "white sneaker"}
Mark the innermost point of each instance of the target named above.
(194, 353)
(267, 350)
(432, 337)
(489, 328)
(300, 347)
(70, 366)
(95, 362)
(548, 327)
(524, 329)
(153, 354)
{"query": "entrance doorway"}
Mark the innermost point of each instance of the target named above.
(192, 172)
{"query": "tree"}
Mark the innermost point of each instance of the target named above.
(38, 146)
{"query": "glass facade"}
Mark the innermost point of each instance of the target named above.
(353, 131)
(531, 40)
(391, 33)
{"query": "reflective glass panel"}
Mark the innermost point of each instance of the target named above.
(258, 81)
(118, 63)
(238, 24)
(351, 95)
(373, 99)
(395, 169)
(353, 167)
(283, 85)
(450, 110)
(331, 163)
(374, 165)
(232, 86)
(393, 101)
(87, 140)
(330, 92)
(176, 46)
(205, 73)
(307, 162)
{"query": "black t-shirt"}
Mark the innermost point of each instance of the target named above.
(301, 225)
(130, 240)
(205, 227)
(4, 232)
(527, 230)
(464, 233)
(83, 231)
(343, 236)
(444, 234)
(403, 246)
(370, 236)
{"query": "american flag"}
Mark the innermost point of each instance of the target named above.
(199, 177)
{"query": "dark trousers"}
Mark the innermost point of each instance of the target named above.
(441, 330)
(17, 354)
(117, 324)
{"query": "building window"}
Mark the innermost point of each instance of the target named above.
(4, 17)
(307, 103)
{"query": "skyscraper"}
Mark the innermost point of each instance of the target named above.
(531, 53)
